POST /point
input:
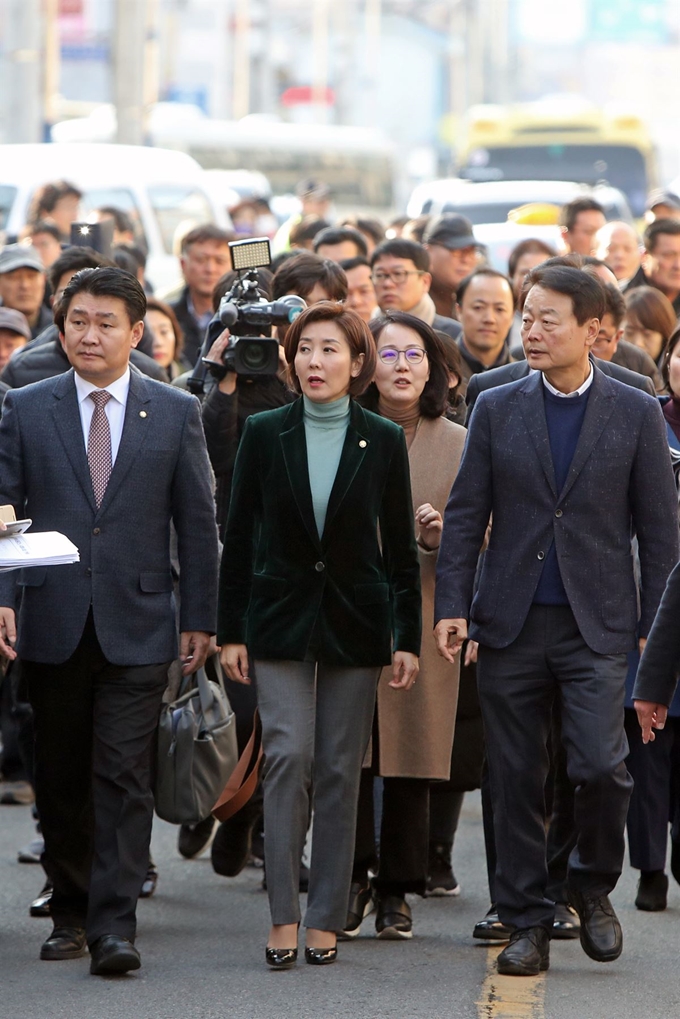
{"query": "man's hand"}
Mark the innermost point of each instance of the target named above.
(449, 635)
(405, 668)
(8, 631)
(641, 644)
(234, 661)
(471, 652)
(228, 383)
(194, 646)
(650, 716)
(430, 524)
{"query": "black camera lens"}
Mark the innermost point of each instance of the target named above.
(254, 356)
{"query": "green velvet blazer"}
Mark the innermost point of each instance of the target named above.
(357, 587)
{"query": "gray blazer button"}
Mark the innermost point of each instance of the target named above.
(541, 555)
(320, 567)
(88, 572)
(558, 513)
(97, 530)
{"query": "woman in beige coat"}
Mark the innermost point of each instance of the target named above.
(413, 734)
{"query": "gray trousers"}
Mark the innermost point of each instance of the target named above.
(316, 723)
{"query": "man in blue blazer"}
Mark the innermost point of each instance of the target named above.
(568, 463)
(111, 459)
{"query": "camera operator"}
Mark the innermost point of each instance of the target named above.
(231, 400)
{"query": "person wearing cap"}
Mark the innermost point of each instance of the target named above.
(662, 204)
(661, 261)
(400, 270)
(452, 247)
(618, 245)
(315, 200)
(14, 333)
(22, 285)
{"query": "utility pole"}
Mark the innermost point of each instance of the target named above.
(241, 62)
(373, 29)
(22, 94)
(129, 48)
(320, 36)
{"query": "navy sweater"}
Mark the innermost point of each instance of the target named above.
(564, 417)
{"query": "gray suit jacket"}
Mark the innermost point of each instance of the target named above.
(620, 482)
(161, 474)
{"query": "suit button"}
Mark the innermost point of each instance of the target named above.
(97, 530)
(88, 572)
(320, 567)
(541, 555)
(558, 513)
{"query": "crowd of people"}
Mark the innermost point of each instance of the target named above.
(492, 455)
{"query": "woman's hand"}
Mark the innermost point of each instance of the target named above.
(234, 661)
(430, 524)
(228, 383)
(405, 668)
(471, 652)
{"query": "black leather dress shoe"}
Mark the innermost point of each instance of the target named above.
(150, 882)
(112, 954)
(652, 893)
(527, 954)
(675, 859)
(193, 839)
(281, 958)
(566, 924)
(320, 956)
(233, 839)
(361, 905)
(492, 928)
(601, 935)
(42, 905)
(393, 921)
(64, 943)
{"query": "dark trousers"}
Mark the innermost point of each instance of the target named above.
(404, 835)
(517, 687)
(95, 726)
(656, 797)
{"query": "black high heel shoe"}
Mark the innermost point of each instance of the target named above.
(320, 956)
(281, 958)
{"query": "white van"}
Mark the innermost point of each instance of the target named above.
(164, 192)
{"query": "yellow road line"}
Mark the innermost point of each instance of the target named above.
(510, 997)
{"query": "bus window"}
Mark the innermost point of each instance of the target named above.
(119, 198)
(619, 165)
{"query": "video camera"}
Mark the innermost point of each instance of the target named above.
(243, 311)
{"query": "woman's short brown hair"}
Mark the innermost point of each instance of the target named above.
(652, 309)
(673, 341)
(355, 330)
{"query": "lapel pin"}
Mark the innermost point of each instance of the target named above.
(142, 413)
(363, 443)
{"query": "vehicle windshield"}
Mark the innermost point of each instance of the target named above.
(119, 198)
(178, 208)
(619, 165)
(497, 212)
(7, 196)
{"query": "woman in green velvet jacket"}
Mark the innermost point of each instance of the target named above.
(319, 589)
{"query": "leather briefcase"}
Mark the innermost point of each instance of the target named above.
(197, 751)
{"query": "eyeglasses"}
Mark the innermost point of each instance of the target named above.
(390, 355)
(398, 276)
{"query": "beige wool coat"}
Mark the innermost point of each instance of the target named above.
(415, 727)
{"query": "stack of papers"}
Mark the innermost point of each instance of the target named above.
(46, 548)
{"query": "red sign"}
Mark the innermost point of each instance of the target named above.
(299, 95)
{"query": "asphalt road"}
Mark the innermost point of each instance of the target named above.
(202, 944)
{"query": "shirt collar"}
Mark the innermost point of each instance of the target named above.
(577, 392)
(118, 389)
(202, 320)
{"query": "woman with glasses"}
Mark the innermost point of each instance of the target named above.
(413, 734)
(319, 589)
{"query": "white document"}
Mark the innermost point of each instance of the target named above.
(46, 548)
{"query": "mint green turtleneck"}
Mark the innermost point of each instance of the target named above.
(325, 430)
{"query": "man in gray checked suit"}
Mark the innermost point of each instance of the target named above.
(111, 459)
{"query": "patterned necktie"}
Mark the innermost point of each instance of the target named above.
(99, 445)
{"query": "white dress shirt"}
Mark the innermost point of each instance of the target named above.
(114, 409)
(577, 392)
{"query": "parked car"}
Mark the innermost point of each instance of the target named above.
(162, 190)
(490, 202)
